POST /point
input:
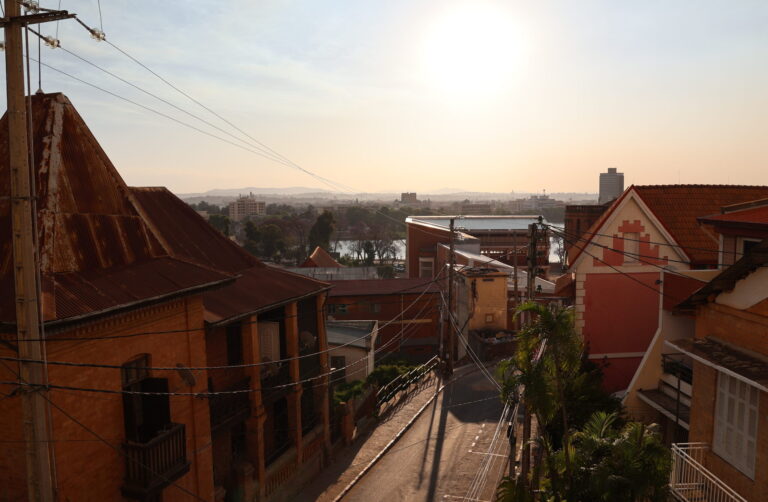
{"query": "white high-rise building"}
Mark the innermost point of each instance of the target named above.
(247, 206)
(611, 185)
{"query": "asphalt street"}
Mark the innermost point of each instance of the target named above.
(438, 458)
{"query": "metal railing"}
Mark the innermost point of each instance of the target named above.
(675, 364)
(690, 481)
(405, 381)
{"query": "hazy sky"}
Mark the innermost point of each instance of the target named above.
(402, 95)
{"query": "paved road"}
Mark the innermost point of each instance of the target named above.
(437, 459)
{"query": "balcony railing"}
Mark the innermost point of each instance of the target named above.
(231, 408)
(675, 364)
(690, 481)
(153, 465)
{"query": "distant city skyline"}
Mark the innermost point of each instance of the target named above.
(402, 96)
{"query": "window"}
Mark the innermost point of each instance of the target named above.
(736, 423)
(337, 308)
(748, 244)
(426, 268)
(144, 415)
(631, 247)
(234, 344)
(135, 370)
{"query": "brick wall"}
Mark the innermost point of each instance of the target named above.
(88, 469)
(741, 330)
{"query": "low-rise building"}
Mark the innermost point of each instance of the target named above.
(726, 455)
(351, 348)
(500, 237)
(180, 366)
(407, 311)
(617, 264)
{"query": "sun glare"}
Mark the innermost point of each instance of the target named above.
(474, 49)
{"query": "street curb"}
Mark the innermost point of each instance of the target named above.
(387, 447)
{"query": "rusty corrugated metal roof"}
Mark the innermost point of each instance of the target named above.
(187, 236)
(96, 251)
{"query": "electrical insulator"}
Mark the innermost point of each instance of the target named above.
(51, 42)
(31, 6)
(97, 34)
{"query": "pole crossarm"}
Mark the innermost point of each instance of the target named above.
(39, 18)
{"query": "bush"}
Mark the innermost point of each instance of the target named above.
(385, 373)
(345, 391)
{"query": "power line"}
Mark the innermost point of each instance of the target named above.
(398, 318)
(116, 448)
(270, 319)
(199, 394)
(684, 248)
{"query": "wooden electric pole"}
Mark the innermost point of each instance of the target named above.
(451, 317)
(25, 259)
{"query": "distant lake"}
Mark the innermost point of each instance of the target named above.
(345, 248)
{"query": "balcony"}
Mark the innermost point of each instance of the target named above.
(227, 409)
(690, 481)
(153, 465)
(672, 398)
(274, 381)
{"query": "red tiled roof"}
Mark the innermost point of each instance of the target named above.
(321, 258)
(383, 287)
(96, 252)
(757, 215)
(677, 207)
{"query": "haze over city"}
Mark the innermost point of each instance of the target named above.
(399, 95)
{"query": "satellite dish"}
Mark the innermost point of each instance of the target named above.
(186, 375)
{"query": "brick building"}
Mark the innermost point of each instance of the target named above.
(580, 217)
(498, 237)
(617, 265)
(729, 403)
(407, 311)
(134, 279)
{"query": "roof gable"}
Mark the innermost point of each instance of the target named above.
(96, 251)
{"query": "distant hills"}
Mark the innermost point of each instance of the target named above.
(301, 194)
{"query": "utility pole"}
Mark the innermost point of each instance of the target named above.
(25, 260)
(525, 459)
(451, 317)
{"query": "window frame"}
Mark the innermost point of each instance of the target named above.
(735, 436)
(422, 268)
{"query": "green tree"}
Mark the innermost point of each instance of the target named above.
(618, 463)
(272, 242)
(548, 354)
(321, 231)
(219, 222)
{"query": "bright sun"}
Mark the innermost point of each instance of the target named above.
(473, 49)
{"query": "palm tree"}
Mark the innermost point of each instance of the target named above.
(549, 335)
(613, 463)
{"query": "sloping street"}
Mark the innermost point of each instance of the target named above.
(440, 455)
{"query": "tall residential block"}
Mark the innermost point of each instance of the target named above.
(611, 185)
(245, 207)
